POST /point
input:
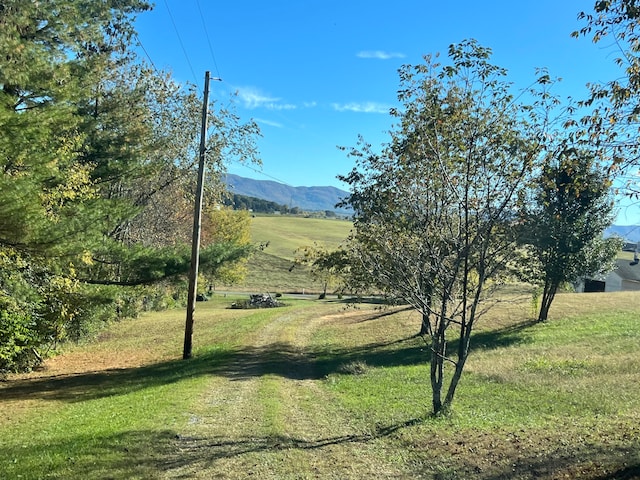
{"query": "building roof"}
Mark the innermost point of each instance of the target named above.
(628, 270)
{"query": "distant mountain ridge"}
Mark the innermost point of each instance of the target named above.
(326, 198)
(306, 198)
(630, 233)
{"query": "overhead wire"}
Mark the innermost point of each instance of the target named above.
(184, 50)
(155, 69)
(206, 33)
(215, 64)
(261, 172)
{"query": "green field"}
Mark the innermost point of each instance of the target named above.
(314, 390)
(286, 234)
(270, 270)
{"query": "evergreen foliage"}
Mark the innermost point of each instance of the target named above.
(256, 205)
(97, 176)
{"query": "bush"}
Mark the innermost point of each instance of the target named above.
(17, 339)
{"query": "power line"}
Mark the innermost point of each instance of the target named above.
(266, 175)
(206, 33)
(155, 69)
(184, 50)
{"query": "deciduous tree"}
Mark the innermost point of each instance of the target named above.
(330, 267)
(611, 126)
(565, 221)
(226, 238)
(434, 212)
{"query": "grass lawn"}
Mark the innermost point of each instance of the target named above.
(317, 390)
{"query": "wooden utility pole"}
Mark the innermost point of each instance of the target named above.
(197, 221)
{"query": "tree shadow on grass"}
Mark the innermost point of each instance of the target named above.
(279, 359)
(104, 383)
(156, 453)
(500, 338)
(205, 452)
(572, 461)
(237, 364)
(554, 460)
(626, 473)
(131, 454)
(150, 453)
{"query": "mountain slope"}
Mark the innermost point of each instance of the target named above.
(306, 198)
(630, 233)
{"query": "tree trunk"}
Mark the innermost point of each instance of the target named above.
(323, 295)
(438, 353)
(453, 385)
(425, 328)
(436, 383)
(463, 352)
(457, 374)
(549, 293)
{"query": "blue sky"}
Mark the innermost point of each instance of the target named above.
(316, 74)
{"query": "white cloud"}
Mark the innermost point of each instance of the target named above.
(268, 122)
(380, 54)
(281, 106)
(366, 107)
(252, 98)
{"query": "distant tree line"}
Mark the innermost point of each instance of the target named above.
(259, 205)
